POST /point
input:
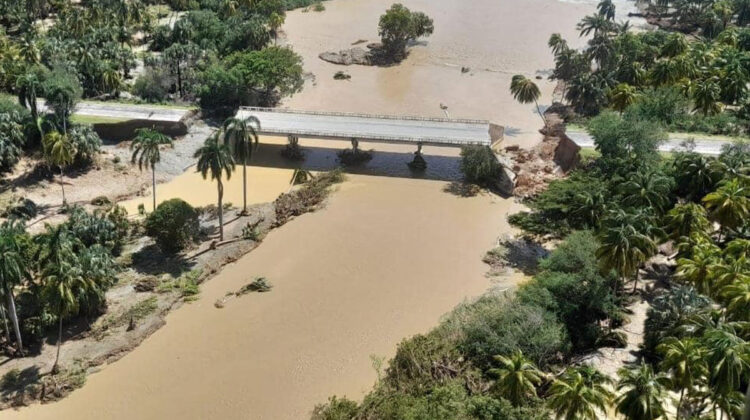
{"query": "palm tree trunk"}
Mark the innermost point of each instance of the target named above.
(14, 317)
(5, 323)
(679, 404)
(153, 185)
(59, 343)
(221, 210)
(635, 283)
(540, 113)
(244, 187)
(62, 185)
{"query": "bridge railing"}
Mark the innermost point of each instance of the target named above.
(372, 137)
(360, 115)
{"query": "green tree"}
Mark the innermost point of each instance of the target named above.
(686, 219)
(728, 359)
(623, 249)
(14, 269)
(706, 94)
(215, 159)
(59, 151)
(685, 360)
(238, 134)
(399, 25)
(642, 393)
(622, 96)
(146, 149)
(698, 268)
(580, 393)
(526, 91)
(647, 189)
(729, 205)
(517, 377)
(607, 9)
(62, 91)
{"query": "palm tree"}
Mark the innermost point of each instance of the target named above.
(643, 392)
(13, 269)
(728, 359)
(525, 91)
(517, 377)
(622, 96)
(729, 204)
(685, 360)
(607, 9)
(737, 297)
(623, 249)
(275, 21)
(596, 23)
(557, 43)
(696, 175)
(686, 219)
(59, 151)
(580, 393)
(214, 158)
(237, 135)
(706, 94)
(698, 269)
(676, 44)
(647, 189)
(146, 151)
(728, 272)
(63, 283)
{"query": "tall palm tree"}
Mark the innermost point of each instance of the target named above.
(643, 393)
(517, 377)
(238, 134)
(146, 147)
(685, 360)
(699, 268)
(622, 96)
(557, 43)
(737, 297)
(596, 23)
(686, 219)
(580, 393)
(59, 151)
(525, 91)
(649, 189)
(729, 204)
(13, 269)
(607, 9)
(706, 94)
(63, 283)
(215, 159)
(623, 249)
(728, 359)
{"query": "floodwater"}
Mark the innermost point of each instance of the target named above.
(388, 256)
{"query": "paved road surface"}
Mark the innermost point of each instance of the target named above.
(704, 147)
(126, 111)
(434, 131)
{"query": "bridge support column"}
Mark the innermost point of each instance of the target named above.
(292, 150)
(418, 163)
(355, 145)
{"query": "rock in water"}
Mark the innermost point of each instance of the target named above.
(348, 57)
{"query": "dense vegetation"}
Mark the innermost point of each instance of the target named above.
(686, 82)
(399, 26)
(57, 275)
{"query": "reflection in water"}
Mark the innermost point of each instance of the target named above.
(269, 174)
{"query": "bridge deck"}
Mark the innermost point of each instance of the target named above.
(380, 128)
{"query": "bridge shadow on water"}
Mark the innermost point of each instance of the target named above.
(444, 165)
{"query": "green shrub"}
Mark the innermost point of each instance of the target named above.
(668, 312)
(496, 325)
(152, 85)
(665, 104)
(480, 166)
(94, 228)
(86, 142)
(174, 225)
(335, 409)
(12, 140)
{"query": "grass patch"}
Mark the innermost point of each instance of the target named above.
(95, 119)
(186, 285)
(133, 314)
(140, 104)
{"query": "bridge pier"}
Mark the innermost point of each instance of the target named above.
(292, 150)
(418, 163)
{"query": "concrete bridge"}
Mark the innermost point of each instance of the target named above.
(376, 128)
